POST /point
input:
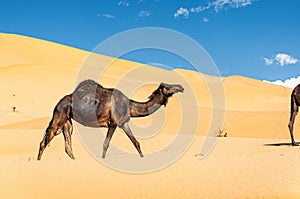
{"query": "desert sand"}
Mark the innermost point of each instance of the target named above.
(255, 160)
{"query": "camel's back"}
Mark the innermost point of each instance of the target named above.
(87, 87)
(94, 90)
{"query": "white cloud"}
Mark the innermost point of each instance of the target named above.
(281, 59)
(285, 59)
(108, 16)
(144, 13)
(290, 83)
(205, 20)
(213, 6)
(268, 61)
(182, 11)
(123, 3)
(221, 4)
(198, 9)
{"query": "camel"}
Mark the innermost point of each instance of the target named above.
(95, 106)
(295, 102)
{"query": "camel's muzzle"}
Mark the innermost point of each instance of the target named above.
(177, 88)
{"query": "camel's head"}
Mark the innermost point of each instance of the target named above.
(165, 91)
(169, 90)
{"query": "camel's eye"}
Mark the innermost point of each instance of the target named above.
(167, 91)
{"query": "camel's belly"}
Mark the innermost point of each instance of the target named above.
(95, 124)
(91, 119)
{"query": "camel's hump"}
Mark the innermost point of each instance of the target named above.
(87, 82)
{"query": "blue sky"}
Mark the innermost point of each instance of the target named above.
(253, 38)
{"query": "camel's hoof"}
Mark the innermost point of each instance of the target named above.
(141, 155)
(295, 144)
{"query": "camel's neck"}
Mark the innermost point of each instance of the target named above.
(142, 109)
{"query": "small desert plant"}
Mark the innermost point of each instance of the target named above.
(14, 108)
(221, 133)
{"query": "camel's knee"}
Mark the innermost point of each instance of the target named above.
(50, 133)
(290, 126)
(41, 149)
(105, 146)
(58, 132)
(137, 144)
(42, 144)
(68, 127)
(134, 141)
(46, 140)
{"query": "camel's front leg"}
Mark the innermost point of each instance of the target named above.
(67, 131)
(128, 132)
(111, 129)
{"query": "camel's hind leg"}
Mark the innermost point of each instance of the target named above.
(128, 132)
(67, 131)
(48, 136)
(294, 111)
(51, 131)
(61, 115)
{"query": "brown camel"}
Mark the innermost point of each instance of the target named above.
(95, 106)
(295, 102)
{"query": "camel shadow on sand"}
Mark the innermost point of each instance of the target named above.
(282, 144)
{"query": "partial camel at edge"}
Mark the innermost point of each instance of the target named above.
(295, 103)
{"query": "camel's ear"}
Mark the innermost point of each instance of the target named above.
(163, 85)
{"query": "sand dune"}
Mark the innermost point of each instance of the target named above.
(252, 171)
(255, 161)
